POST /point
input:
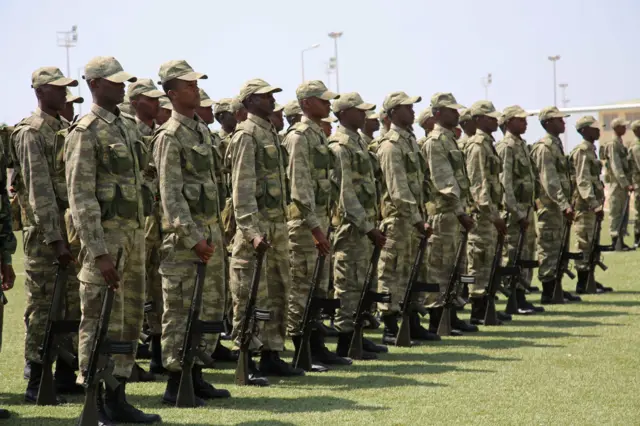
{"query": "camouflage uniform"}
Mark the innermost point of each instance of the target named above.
(465, 115)
(258, 193)
(228, 220)
(617, 175)
(424, 115)
(355, 213)
(634, 166)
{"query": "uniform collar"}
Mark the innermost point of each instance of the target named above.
(402, 132)
(260, 122)
(485, 135)
(191, 123)
(54, 122)
(104, 114)
(351, 134)
(312, 124)
(142, 125)
(445, 130)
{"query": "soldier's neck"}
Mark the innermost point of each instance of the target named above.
(146, 120)
(106, 105)
(366, 133)
(317, 120)
(187, 112)
(47, 110)
(229, 129)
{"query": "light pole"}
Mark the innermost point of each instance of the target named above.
(335, 36)
(486, 82)
(315, 46)
(554, 59)
(68, 39)
(565, 103)
(80, 70)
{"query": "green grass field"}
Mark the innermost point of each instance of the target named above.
(576, 364)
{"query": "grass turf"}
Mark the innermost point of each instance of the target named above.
(574, 364)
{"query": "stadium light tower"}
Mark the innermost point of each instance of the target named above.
(486, 82)
(68, 39)
(335, 36)
(554, 60)
(315, 46)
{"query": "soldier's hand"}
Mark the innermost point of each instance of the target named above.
(322, 244)
(260, 244)
(466, 221)
(203, 250)
(630, 188)
(569, 214)
(600, 214)
(524, 223)
(63, 254)
(501, 226)
(424, 228)
(377, 237)
(108, 270)
(8, 276)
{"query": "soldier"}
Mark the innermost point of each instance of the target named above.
(103, 176)
(483, 168)
(356, 216)
(190, 223)
(402, 212)
(468, 127)
(164, 112)
(144, 98)
(258, 193)
(589, 195)
(42, 196)
(518, 179)
(327, 125)
(126, 107)
(554, 199)
(308, 172)
(386, 125)
(68, 112)
(450, 184)
(634, 148)
(617, 175)
(371, 125)
(292, 112)
(427, 122)
(277, 119)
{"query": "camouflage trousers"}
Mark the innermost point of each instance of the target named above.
(636, 205)
(583, 227)
(40, 274)
(511, 243)
(178, 272)
(549, 231)
(441, 254)
(274, 285)
(481, 247)
(302, 260)
(619, 217)
(153, 288)
(352, 253)
(128, 303)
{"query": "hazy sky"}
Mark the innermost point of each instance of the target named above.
(420, 47)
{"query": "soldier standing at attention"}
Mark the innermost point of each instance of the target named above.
(589, 196)
(386, 125)
(164, 112)
(427, 122)
(103, 153)
(277, 119)
(68, 112)
(292, 112)
(371, 125)
(617, 175)
(468, 128)
(258, 194)
(634, 150)
(144, 96)
(554, 199)
(327, 125)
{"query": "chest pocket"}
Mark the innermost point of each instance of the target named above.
(522, 168)
(202, 198)
(323, 192)
(456, 158)
(321, 157)
(595, 168)
(412, 162)
(367, 195)
(271, 157)
(199, 158)
(495, 166)
(119, 159)
(364, 163)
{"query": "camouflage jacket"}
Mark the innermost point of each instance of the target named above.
(518, 175)
(586, 169)
(616, 162)
(553, 169)
(7, 238)
(634, 163)
(484, 167)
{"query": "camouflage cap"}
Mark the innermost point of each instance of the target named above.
(292, 108)
(205, 100)
(444, 100)
(315, 89)
(224, 104)
(71, 98)
(586, 121)
(166, 103)
(372, 115)
(278, 107)
(619, 122)
(145, 87)
(501, 120)
(424, 115)
(107, 67)
(52, 76)
(514, 111)
(126, 107)
(484, 108)
(399, 98)
(465, 115)
(635, 125)
(236, 105)
(351, 100)
(330, 119)
(180, 69)
(551, 112)
(256, 87)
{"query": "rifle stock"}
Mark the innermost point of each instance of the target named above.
(594, 256)
(562, 265)
(512, 302)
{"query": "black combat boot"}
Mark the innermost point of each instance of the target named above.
(503, 316)
(320, 353)
(256, 378)
(118, 410)
(272, 365)
(524, 306)
(478, 309)
(65, 379)
(205, 390)
(418, 332)
(138, 374)
(391, 329)
(155, 365)
(344, 342)
(171, 391)
(570, 297)
(547, 292)
(636, 241)
(603, 288)
(581, 285)
(103, 419)
(224, 354)
(316, 366)
(435, 315)
(371, 346)
(4, 414)
(33, 385)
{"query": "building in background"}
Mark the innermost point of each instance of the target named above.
(606, 117)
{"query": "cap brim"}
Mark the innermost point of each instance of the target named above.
(153, 93)
(64, 82)
(193, 76)
(411, 100)
(121, 77)
(366, 107)
(373, 117)
(329, 96)
(267, 89)
(207, 103)
(495, 114)
(75, 99)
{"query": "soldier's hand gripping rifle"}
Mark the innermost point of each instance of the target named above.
(512, 301)
(100, 367)
(302, 357)
(413, 286)
(190, 349)
(52, 343)
(562, 264)
(594, 256)
(251, 316)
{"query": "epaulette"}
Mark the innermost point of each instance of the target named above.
(127, 116)
(546, 140)
(391, 136)
(299, 127)
(84, 123)
(340, 138)
(32, 121)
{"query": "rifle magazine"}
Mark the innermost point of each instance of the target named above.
(421, 286)
(467, 279)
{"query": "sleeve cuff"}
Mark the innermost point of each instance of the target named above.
(367, 227)
(52, 236)
(191, 239)
(97, 248)
(250, 234)
(312, 221)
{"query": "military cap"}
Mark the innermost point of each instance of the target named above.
(586, 121)
(501, 120)
(205, 100)
(551, 112)
(351, 100)
(145, 87)
(256, 87)
(278, 107)
(315, 89)
(444, 100)
(236, 105)
(465, 115)
(224, 104)
(330, 119)
(618, 122)
(179, 69)
(635, 125)
(424, 115)
(514, 111)
(484, 108)
(292, 108)
(52, 76)
(372, 115)
(399, 98)
(107, 67)
(166, 103)
(126, 107)
(71, 98)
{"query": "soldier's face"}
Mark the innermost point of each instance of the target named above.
(186, 94)
(620, 130)
(371, 126)
(277, 120)
(241, 115)
(264, 103)
(429, 124)
(353, 118)
(146, 106)
(293, 119)
(316, 107)
(206, 113)
(403, 115)
(107, 91)
(227, 119)
(469, 127)
(162, 116)
(52, 97)
(449, 117)
(517, 125)
(68, 111)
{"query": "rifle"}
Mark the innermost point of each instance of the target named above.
(594, 256)
(190, 344)
(403, 338)
(367, 298)
(444, 328)
(495, 276)
(302, 357)
(251, 315)
(562, 265)
(51, 345)
(100, 367)
(622, 231)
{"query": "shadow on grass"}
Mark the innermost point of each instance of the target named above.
(496, 344)
(584, 314)
(415, 368)
(360, 382)
(532, 334)
(442, 357)
(622, 303)
(265, 423)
